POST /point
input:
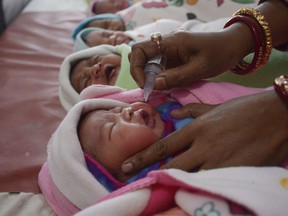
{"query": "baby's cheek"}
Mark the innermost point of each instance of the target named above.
(141, 141)
(159, 129)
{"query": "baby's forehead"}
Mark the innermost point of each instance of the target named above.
(102, 32)
(80, 63)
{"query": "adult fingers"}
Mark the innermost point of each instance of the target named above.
(191, 110)
(186, 161)
(180, 75)
(139, 55)
(159, 150)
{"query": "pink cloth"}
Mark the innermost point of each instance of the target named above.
(200, 92)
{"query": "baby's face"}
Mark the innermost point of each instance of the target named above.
(95, 70)
(109, 24)
(110, 6)
(95, 38)
(111, 136)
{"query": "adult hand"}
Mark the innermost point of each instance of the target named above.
(192, 56)
(251, 130)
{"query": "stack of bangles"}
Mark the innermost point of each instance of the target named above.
(262, 38)
(282, 47)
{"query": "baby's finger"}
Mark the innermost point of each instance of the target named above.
(160, 150)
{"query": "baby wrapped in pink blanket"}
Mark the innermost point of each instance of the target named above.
(70, 188)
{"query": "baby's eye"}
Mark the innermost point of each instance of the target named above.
(107, 34)
(87, 82)
(111, 126)
(117, 109)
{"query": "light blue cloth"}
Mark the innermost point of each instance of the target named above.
(79, 41)
(85, 22)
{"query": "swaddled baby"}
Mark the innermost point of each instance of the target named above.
(110, 136)
(104, 64)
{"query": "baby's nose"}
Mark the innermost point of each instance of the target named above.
(95, 69)
(127, 113)
(112, 39)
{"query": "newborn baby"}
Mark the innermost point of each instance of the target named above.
(109, 136)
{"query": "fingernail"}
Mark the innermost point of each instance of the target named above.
(161, 82)
(127, 167)
(139, 84)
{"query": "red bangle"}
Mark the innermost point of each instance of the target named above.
(281, 87)
(244, 67)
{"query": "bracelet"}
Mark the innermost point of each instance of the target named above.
(244, 67)
(257, 16)
(281, 87)
(282, 47)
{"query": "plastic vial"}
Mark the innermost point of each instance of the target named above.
(152, 68)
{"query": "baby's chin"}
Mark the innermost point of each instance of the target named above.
(159, 129)
(113, 79)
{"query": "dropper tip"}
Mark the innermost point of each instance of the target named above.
(145, 96)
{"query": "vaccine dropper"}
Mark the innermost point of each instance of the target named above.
(152, 68)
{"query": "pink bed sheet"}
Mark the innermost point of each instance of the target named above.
(31, 52)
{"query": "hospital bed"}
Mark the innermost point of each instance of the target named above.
(32, 49)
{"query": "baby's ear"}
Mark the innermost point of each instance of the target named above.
(100, 91)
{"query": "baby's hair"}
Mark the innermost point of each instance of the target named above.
(81, 119)
(94, 6)
(73, 65)
(84, 148)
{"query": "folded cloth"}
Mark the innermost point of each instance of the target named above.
(69, 186)
(240, 191)
(85, 22)
(68, 95)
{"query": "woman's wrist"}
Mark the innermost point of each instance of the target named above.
(259, 29)
(236, 34)
(261, 50)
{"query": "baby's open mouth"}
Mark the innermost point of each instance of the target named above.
(110, 71)
(149, 121)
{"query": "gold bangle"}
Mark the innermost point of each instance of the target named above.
(282, 47)
(251, 12)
